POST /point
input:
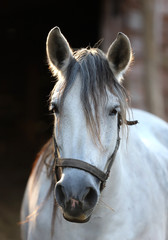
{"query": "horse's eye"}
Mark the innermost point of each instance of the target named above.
(54, 108)
(113, 112)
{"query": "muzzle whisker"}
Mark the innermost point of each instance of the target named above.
(106, 205)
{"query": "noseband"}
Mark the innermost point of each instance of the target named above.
(79, 164)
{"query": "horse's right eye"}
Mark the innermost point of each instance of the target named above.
(54, 108)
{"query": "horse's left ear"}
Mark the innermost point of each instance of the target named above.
(120, 55)
(58, 50)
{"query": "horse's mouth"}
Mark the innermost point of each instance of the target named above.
(80, 219)
(74, 211)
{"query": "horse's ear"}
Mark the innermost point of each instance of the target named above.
(58, 50)
(120, 55)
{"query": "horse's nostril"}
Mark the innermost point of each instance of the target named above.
(79, 197)
(90, 197)
(60, 195)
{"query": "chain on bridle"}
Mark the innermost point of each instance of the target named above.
(79, 164)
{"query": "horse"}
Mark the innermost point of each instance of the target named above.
(104, 173)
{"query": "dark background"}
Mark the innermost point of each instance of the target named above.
(25, 84)
(25, 81)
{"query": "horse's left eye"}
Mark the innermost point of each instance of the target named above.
(113, 112)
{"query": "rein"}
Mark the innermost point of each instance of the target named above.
(79, 164)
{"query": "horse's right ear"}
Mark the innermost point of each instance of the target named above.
(58, 50)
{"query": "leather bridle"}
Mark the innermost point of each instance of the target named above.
(79, 164)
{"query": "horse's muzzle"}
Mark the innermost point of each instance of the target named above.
(77, 199)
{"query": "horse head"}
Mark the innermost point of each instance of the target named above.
(89, 104)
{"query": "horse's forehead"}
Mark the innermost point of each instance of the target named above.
(72, 102)
(73, 97)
